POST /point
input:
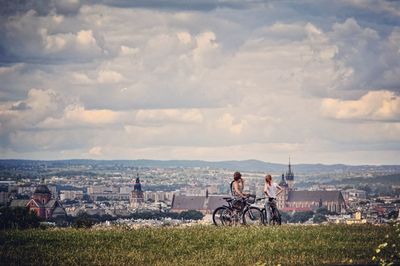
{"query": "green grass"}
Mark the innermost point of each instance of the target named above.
(208, 245)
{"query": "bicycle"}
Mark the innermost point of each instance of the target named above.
(276, 218)
(238, 211)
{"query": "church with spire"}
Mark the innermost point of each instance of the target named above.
(291, 199)
(287, 180)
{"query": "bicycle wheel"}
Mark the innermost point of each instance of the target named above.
(223, 216)
(253, 216)
(277, 220)
(264, 214)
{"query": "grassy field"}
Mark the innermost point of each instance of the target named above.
(207, 245)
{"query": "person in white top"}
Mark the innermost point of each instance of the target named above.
(271, 190)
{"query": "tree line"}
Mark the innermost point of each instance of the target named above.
(22, 218)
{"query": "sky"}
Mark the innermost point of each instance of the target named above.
(318, 81)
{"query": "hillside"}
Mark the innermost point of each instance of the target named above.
(243, 165)
(286, 245)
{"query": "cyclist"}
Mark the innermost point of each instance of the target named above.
(271, 190)
(237, 186)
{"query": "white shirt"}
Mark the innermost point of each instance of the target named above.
(271, 189)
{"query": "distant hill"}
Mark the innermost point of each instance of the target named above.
(245, 165)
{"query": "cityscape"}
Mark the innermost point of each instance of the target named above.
(120, 190)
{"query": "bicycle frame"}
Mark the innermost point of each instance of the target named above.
(237, 214)
(275, 215)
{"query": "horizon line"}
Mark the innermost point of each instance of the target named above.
(190, 160)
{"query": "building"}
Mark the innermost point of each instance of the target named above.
(7, 188)
(71, 194)
(292, 200)
(42, 203)
(354, 195)
(205, 204)
(108, 193)
(306, 199)
(137, 197)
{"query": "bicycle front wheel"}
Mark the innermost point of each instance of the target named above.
(277, 220)
(223, 216)
(253, 216)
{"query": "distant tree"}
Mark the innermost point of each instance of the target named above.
(84, 221)
(191, 215)
(301, 216)
(18, 218)
(60, 221)
(285, 217)
(393, 214)
(347, 187)
(319, 218)
(323, 211)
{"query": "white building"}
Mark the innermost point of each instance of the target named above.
(71, 194)
(354, 195)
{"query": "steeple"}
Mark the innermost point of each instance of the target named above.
(137, 186)
(137, 195)
(290, 175)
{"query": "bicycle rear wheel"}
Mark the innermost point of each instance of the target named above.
(253, 216)
(277, 220)
(223, 216)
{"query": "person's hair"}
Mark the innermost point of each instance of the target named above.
(237, 176)
(268, 178)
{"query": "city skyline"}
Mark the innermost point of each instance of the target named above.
(201, 80)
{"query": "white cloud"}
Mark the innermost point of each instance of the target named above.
(165, 116)
(226, 83)
(39, 105)
(227, 121)
(30, 37)
(375, 105)
(96, 151)
(109, 76)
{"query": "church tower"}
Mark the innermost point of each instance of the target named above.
(137, 197)
(290, 176)
(284, 195)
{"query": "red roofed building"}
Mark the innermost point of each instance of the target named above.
(42, 204)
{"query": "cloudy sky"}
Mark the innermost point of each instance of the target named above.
(214, 80)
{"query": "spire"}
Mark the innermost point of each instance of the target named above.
(137, 186)
(137, 178)
(289, 173)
